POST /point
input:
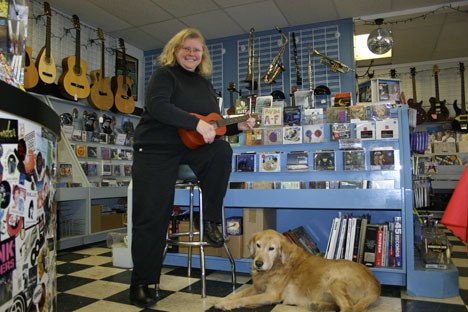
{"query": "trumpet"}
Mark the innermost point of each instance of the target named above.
(276, 67)
(335, 65)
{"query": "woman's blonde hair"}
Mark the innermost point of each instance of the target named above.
(168, 58)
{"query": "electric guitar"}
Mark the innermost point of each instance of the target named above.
(460, 122)
(73, 82)
(45, 62)
(31, 77)
(438, 110)
(413, 103)
(193, 140)
(101, 96)
(122, 87)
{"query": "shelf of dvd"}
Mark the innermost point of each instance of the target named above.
(309, 183)
(93, 171)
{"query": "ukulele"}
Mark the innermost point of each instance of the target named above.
(460, 122)
(122, 87)
(100, 96)
(413, 103)
(73, 81)
(45, 62)
(31, 77)
(438, 110)
(193, 140)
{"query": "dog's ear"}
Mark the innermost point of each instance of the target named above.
(285, 250)
(252, 245)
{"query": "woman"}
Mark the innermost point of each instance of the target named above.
(179, 87)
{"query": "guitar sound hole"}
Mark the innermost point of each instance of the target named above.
(102, 93)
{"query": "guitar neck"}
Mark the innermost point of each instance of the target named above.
(436, 79)
(230, 121)
(103, 64)
(48, 32)
(77, 51)
(413, 81)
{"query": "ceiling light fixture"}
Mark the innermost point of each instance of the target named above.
(380, 40)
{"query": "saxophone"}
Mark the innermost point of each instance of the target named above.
(276, 67)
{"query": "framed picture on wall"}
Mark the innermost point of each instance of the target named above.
(132, 70)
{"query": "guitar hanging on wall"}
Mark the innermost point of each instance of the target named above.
(438, 110)
(45, 62)
(413, 103)
(73, 82)
(122, 87)
(101, 96)
(31, 76)
(460, 122)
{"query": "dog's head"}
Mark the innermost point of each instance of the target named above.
(268, 248)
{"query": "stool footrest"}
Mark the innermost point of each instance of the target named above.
(180, 234)
(187, 244)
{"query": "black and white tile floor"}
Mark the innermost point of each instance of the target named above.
(87, 281)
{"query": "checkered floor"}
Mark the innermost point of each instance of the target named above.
(87, 281)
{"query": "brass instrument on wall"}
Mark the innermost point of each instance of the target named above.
(250, 79)
(335, 65)
(276, 67)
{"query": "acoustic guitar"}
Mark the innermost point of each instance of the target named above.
(193, 140)
(73, 82)
(101, 96)
(413, 103)
(31, 77)
(460, 122)
(45, 62)
(438, 110)
(122, 87)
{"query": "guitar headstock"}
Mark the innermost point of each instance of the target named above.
(413, 71)
(393, 73)
(232, 87)
(47, 10)
(76, 21)
(122, 45)
(435, 69)
(293, 89)
(100, 34)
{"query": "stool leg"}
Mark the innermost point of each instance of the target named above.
(202, 248)
(189, 254)
(228, 252)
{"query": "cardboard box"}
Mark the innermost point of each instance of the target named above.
(235, 245)
(95, 218)
(256, 220)
(105, 221)
(209, 251)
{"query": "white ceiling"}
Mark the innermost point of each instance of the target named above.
(148, 24)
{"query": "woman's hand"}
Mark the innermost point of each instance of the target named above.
(207, 131)
(247, 125)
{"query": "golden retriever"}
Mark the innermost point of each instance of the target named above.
(284, 272)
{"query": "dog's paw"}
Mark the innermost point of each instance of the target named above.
(225, 305)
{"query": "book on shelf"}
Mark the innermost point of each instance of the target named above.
(270, 162)
(350, 239)
(370, 244)
(379, 246)
(302, 238)
(398, 242)
(332, 238)
(362, 237)
(357, 237)
(342, 238)
(297, 160)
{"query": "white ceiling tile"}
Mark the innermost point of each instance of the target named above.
(205, 23)
(263, 15)
(233, 3)
(181, 8)
(306, 12)
(138, 38)
(164, 31)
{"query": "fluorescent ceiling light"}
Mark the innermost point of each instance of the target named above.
(362, 52)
